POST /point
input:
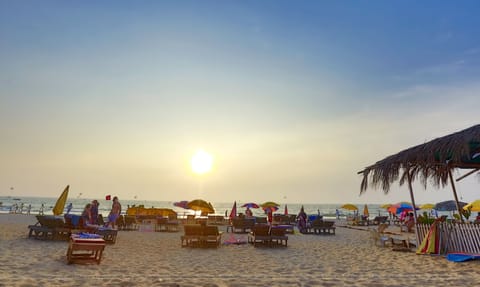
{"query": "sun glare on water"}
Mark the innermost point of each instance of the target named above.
(201, 162)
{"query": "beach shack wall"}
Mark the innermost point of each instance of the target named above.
(433, 161)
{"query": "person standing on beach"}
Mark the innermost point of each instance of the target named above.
(302, 220)
(87, 214)
(94, 212)
(114, 213)
(248, 213)
(69, 207)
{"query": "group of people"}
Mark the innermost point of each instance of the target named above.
(90, 214)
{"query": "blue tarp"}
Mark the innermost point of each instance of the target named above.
(460, 257)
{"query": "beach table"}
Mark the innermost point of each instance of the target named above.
(85, 249)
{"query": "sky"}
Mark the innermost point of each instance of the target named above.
(291, 98)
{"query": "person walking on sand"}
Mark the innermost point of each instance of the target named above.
(114, 213)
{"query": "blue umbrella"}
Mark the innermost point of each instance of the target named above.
(448, 205)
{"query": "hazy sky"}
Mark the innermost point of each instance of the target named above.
(291, 98)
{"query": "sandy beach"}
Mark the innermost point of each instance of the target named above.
(157, 259)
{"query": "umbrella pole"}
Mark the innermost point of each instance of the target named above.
(410, 188)
(455, 194)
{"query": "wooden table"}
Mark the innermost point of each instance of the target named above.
(85, 250)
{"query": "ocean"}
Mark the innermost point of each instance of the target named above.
(21, 204)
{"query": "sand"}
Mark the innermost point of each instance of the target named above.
(157, 259)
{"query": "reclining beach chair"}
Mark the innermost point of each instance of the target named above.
(192, 235)
(49, 227)
(278, 236)
(211, 236)
(260, 234)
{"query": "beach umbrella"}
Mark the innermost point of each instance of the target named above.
(473, 206)
(202, 205)
(233, 213)
(365, 211)
(427, 206)
(400, 207)
(182, 204)
(250, 205)
(385, 206)
(349, 206)
(285, 212)
(60, 204)
(269, 204)
(270, 209)
(448, 205)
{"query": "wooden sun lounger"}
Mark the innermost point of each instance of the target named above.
(192, 235)
(260, 234)
(278, 236)
(211, 237)
(49, 228)
(85, 250)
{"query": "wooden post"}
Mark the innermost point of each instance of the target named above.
(409, 176)
(455, 194)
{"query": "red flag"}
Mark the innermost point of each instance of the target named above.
(108, 197)
(233, 213)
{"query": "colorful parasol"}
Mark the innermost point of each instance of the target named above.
(60, 204)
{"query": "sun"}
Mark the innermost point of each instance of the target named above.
(201, 162)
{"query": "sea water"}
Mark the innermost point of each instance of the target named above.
(21, 204)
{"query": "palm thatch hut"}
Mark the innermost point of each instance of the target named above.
(432, 161)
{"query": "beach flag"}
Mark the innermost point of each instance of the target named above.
(108, 197)
(233, 213)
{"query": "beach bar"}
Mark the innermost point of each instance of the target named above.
(434, 161)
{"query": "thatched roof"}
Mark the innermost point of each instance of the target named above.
(428, 161)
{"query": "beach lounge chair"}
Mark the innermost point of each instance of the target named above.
(192, 235)
(260, 234)
(211, 237)
(242, 225)
(161, 224)
(49, 227)
(130, 222)
(278, 236)
(379, 239)
(173, 223)
(109, 235)
(324, 228)
(261, 220)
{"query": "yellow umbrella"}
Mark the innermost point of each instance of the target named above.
(427, 206)
(349, 206)
(474, 206)
(365, 211)
(60, 204)
(269, 204)
(202, 205)
(386, 206)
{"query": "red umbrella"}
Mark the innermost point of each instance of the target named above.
(286, 210)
